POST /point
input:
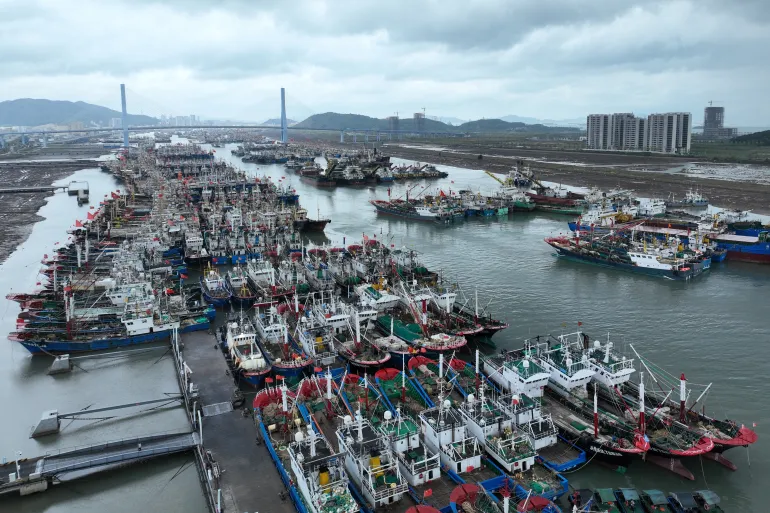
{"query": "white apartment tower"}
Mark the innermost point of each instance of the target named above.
(669, 132)
(598, 131)
(665, 133)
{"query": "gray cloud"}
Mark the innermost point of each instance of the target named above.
(471, 58)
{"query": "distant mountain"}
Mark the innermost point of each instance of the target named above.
(758, 138)
(448, 120)
(575, 122)
(33, 112)
(335, 121)
(277, 122)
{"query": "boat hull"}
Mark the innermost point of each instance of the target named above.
(658, 273)
(746, 256)
(69, 346)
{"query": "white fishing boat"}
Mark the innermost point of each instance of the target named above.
(370, 462)
(319, 474)
(515, 371)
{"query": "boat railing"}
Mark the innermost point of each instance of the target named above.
(510, 448)
(618, 365)
(420, 466)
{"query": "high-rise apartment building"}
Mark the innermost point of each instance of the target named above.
(598, 131)
(667, 133)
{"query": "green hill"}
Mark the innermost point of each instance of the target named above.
(335, 121)
(33, 112)
(758, 138)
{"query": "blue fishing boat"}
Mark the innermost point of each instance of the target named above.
(214, 288)
(242, 293)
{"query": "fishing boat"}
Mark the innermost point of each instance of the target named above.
(567, 365)
(319, 474)
(400, 352)
(610, 254)
(214, 288)
(420, 466)
(194, 252)
(669, 442)
(461, 453)
(237, 282)
(283, 353)
(141, 322)
(279, 421)
(400, 208)
(654, 501)
(629, 500)
(350, 345)
(413, 335)
(692, 199)
(702, 501)
(515, 371)
(725, 434)
(607, 440)
(318, 179)
(241, 345)
(370, 462)
(514, 449)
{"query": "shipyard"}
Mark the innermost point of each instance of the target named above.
(223, 294)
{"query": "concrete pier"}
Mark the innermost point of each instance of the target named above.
(248, 480)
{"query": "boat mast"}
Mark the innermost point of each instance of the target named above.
(596, 414)
(642, 426)
(682, 397)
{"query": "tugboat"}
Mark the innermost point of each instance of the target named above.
(214, 288)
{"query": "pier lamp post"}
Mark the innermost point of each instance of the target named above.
(18, 465)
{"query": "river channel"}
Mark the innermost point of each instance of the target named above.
(714, 329)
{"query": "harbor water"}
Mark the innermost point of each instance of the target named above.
(713, 329)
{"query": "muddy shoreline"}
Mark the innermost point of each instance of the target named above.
(611, 174)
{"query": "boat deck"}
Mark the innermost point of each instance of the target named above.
(249, 479)
(440, 490)
(479, 475)
(560, 453)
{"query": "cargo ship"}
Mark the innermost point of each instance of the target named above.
(746, 248)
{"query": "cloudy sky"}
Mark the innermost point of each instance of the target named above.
(466, 58)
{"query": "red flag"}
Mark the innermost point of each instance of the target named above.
(90, 216)
(183, 276)
(441, 194)
(78, 224)
(580, 323)
(427, 493)
(115, 196)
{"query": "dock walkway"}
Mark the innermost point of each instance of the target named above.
(249, 481)
(37, 473)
